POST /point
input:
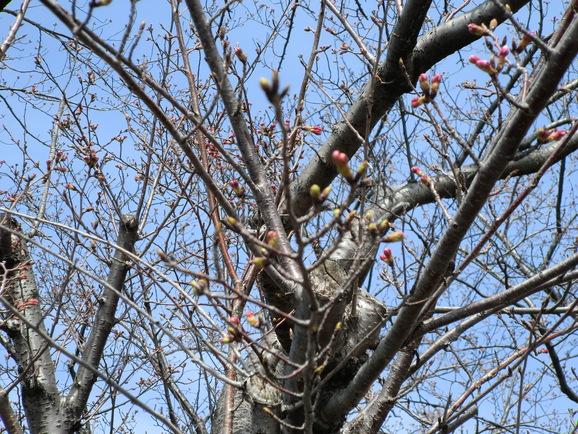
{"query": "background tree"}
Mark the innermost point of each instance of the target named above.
(378, 235)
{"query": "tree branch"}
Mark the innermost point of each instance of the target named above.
(544, 83)
(378, 98)
(105, 317)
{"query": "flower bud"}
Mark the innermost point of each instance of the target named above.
(341, 161)
(486, 66)
(315, 192)
(232, 220)
(544, 135)
(435, 84)
(526, 40)
(416, 102)
(477, 30)
(382, 227)
(393, 237)
(252, 319)
(325, 193)
(227, 339)
(558, 134)
(260, 262)
(315, 130)
(417, 171)
(273, 239)
(362, 168)
(241, 55)
(387, 257)
(424, 83)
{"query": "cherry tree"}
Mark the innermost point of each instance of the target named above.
(322, 217)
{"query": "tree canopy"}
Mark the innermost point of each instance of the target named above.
(320, 217)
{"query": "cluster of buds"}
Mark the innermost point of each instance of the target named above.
(253, 320)
(239, 190)
(423, 178)
(547, 136)
(482, 29)
(487, 66)
(387, 257)
(91, 159)
(314, 129)
(319, 195)
(429, 88)
(273, 239)
(59, 158)
(394, 237)
(491, 66)
(22, 306)
(341, 161)
(376, 228)
(234, 330)
(268, 131)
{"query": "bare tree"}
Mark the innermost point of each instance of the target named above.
(323, 217)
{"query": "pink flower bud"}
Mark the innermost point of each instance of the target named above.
(474, 59)
(416, 102)
(544, 135)
(339, 158)
(315, 130)
(341, 161)
(424, 83)
(387, 256)
(486, 66)
(417, 171)
(237, 189)
(252, 319)
(558, 134)
(273, 239)
(477, 30)
(240, 54)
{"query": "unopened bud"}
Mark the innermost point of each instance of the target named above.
(393, 237)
